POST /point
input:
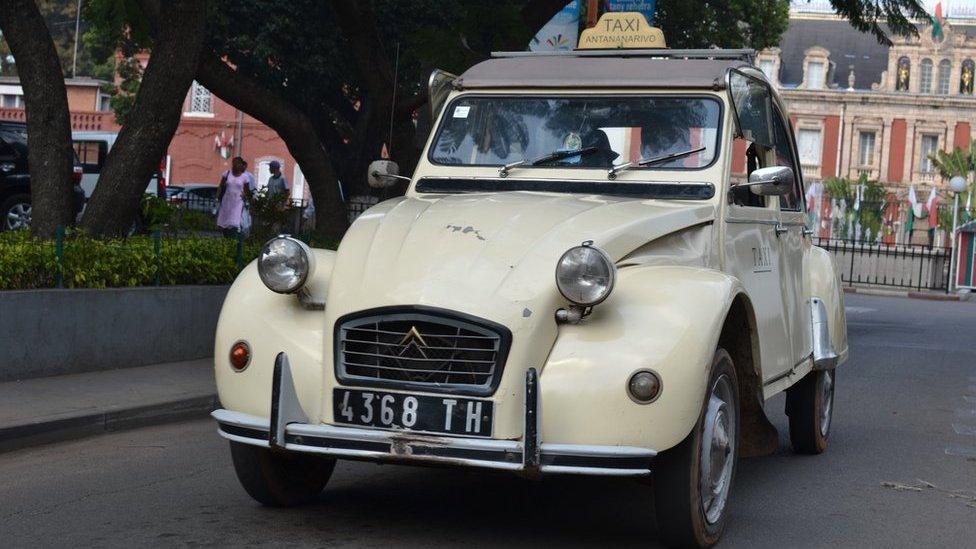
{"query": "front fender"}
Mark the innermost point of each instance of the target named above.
(271, 323)
(667, 319)
(825, 285)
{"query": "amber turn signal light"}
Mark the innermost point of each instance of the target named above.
(240, 355)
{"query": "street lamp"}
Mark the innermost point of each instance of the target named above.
(957, 184)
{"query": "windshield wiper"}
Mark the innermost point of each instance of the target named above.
(551, 157)
(612, 172)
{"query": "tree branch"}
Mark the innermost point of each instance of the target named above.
(294, 127)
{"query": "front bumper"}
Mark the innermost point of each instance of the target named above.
(289, 429)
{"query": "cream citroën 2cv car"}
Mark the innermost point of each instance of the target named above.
(601, 267)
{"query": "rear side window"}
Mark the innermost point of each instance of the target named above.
(13, 143)
(91, 154)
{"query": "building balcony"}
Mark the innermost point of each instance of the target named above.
(927, 178)
(870, 172)
(80, 120)
(810, 171)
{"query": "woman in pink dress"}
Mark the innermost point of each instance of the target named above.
(235, 187)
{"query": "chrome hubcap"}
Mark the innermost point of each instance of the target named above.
(19, 216)
(719, 439)
(826, 401)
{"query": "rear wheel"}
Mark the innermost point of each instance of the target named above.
(15, 213)
(280, 479)
(693, 480)
(810, 406)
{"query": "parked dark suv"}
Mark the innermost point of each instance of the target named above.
(15, 194)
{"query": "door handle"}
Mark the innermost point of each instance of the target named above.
(807, 231)
(780, 229)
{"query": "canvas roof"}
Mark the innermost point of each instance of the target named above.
(608, 71)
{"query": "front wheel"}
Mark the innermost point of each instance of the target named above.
(280, 479)
(810, 406)
(692, 481)
(15, 213)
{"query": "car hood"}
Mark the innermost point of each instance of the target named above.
(491, 255)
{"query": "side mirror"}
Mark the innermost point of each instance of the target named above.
(383, 174)
(772, 181)
(438, 88)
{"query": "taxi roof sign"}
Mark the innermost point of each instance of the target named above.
(621, 30)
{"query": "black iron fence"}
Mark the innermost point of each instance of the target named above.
(913, 266)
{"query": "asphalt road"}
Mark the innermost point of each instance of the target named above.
(913, 363)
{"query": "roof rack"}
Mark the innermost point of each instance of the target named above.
(744, 54)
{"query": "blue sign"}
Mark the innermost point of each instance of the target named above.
(645, 7)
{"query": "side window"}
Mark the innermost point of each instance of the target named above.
(784, 157)
(91, 154)
(755, 147)
(745, 160)
(6, 151)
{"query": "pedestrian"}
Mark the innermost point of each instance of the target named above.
(277, 184)
(235, 189)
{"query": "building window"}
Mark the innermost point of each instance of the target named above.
(815, 75)
(865, 150)
(925, 77)
(13, 101)
(200, 100)
(104, 102)
(767, 66)
(930, 144)
(966, 77)
(808, 143)
(945, 68)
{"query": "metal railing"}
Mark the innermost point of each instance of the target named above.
(912, 266)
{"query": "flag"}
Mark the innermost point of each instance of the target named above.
(932, 205)
(561, 32)
(937, 23)
(912, 203)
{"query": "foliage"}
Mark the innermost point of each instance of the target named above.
(60, 18)
(269, 215)
(726, 24)
(159, 215)
(123, 96)
(870, 212)
(98, 263)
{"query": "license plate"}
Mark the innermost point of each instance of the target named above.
(433, 414)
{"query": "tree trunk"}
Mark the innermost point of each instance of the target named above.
(294, 127)
(48, 121)
(178, 32)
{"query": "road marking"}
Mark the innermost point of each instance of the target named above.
(961, 451)
(964, 429)
(858, 310)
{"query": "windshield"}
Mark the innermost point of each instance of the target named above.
(497, 131)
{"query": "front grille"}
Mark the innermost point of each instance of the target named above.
(425, 349)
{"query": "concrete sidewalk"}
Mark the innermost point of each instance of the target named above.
(41, 410)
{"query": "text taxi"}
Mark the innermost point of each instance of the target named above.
(601, 267)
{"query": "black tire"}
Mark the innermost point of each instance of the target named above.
(8, 205)
(805, 402)
(280, 479)
(682, 519)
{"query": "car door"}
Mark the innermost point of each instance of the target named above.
(753, 225)
(794, 244)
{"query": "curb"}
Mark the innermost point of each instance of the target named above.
(15, 437)
(910, 294)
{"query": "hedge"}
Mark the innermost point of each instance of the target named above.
(29, 263)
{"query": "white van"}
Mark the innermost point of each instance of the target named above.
(92, 149)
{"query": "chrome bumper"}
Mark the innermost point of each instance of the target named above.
(289, 429)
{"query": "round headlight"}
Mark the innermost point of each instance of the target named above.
(585, 275)
(284, 265)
